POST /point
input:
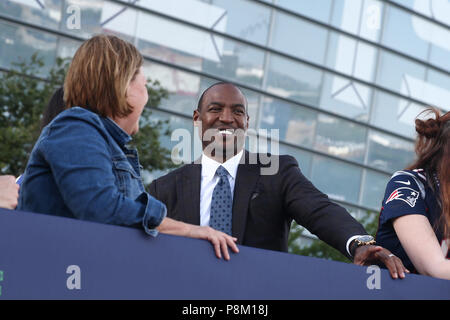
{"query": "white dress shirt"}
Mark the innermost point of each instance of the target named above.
(209, 181)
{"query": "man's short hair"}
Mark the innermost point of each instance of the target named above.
(99, 75)
(200, 101)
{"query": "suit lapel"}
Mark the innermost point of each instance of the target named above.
(246, 178)
(190, 191)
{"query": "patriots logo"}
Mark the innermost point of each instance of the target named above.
(405, 194)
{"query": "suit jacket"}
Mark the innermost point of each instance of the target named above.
(263, 205)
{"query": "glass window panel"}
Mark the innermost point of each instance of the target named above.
(183, 87)
(295, 123)
(95, 15)
(244, 19)
(361, 18)
(408, 78)
(43, 13)
(395, 114)
(438, 85)
(389, 153)
(401, 75)
(200, 51)
(237, 62)
(18, 43)
(406, 33)
(177, 146)
(346, 97)
(308, 42)
(340, 180)
(346, 15)
(440, 57)
(303, 158)
(438, 10)
(240, 18)
(319, 10)
(372, 19)
(293, 80)
(373, 189)
(340, 138)
(253, 101)
(351, 57)
(67, 47)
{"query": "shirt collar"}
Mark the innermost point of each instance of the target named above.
(209, 166)
(116, 132)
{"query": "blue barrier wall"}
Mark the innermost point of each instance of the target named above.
(124, 263)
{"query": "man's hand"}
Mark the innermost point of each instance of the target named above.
(221, 241)
(9, 192)
(368, 255)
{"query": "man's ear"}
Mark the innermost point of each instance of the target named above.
(195, 116)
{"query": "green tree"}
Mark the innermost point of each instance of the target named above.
(320, 249)
(23, 98)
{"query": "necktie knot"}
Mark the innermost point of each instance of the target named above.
(222, 172)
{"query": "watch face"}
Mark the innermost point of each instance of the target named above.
(365, 238)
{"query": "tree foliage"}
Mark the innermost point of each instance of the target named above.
(23, 98)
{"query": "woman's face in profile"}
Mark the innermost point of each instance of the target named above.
(137, 97)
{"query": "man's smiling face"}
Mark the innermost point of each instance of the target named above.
(224, 120)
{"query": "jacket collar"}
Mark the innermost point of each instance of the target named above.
(116, 132)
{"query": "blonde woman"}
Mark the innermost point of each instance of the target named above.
(81, 166)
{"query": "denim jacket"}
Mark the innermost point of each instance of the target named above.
(81, 167)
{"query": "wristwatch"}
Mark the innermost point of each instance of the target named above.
(361, 241)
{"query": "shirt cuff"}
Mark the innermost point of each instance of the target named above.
(155, 212)
(347, 246)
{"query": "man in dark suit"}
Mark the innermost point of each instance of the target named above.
(255, 197)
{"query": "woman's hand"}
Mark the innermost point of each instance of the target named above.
(221, 241)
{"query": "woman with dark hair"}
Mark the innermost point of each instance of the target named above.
(415, 218)
(82, 166)
(55, 106)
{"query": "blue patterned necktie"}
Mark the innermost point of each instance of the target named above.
(221, 204)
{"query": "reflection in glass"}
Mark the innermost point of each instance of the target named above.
(18, 43)
(183, 87)
(440, 57)
(438, 89)
(400, 33)
(373, 189)
(185, 126)
(244, 19)
(293, 80)
(307, 42)
(295, 123)
(43, 13)
(303, 158)
(338, 179)
(397, 73)
(67, 47)
(438, 10)
(340, 138)
(351, 57)
(408, 78)
(319, 10)
(395, 114)
(201, 51)
(414, 36)
(362, 18)
(389, 153)
(95, 15)
(346, 97)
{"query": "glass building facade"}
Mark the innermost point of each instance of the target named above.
(342, 80)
